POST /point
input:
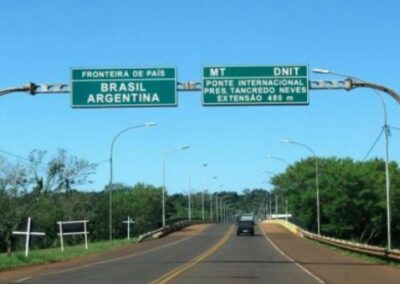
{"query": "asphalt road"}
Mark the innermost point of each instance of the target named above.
(246, 259)
(143, 267)
(224, 258)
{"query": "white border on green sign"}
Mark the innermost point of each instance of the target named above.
(254, 104)
(128, 105)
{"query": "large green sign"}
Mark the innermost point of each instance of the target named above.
(255, 85)
(124, 87)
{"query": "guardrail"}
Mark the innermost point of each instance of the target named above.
(347, 245)
(163, 231)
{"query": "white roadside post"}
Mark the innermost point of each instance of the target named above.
(62, 233)
(128, 223)
(28, 233)
(85, 230)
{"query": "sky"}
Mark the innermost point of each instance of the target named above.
(41, 41)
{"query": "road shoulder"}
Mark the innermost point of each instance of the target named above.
(115, 253)
(329, 265)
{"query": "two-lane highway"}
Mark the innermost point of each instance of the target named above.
(246, 259)
(215, 255)
(143, 267)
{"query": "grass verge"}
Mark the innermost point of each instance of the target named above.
(18, 259)
(368, 258)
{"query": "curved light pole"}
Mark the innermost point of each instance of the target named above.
(163, 178)
(187, 193)
(267, 197)
(147, 124)
(386, 129)
(287, 163)
(316, 178)
(190, 190)
(277, 158)
(217, 205)
(202, 196)
(270, 198)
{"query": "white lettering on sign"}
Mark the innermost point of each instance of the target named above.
(137, 73)
(122, 74)
(289, 90)
(240, 99)
(113, 74)
(286, 71)
(219, 83)
(216, 72)
(155, 73)
(122, 87)
(215, 91)
(123, 98)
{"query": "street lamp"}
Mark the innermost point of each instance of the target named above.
(187, 193)
(386, 129)
(217, 206)
(202, 196)
(163, 179)
(277, 158)
(190, 191)
(270, 198)
(316, 177)
(287, 163)
(267, 197)
(147, 124)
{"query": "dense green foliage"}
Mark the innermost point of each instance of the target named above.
(352, 197)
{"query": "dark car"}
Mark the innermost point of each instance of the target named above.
(245, 227)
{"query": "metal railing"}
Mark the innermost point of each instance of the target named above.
(393, 254)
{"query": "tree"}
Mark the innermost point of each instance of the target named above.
(15, 199)
(23, 187)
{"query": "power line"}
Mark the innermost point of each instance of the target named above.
(373, 145)
(14, 155)
(102, 162)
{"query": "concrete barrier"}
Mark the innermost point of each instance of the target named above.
(161, 232)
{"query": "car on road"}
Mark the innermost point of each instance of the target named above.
(245, 227)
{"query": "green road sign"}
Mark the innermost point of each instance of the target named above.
(255, 85)
(124, 87)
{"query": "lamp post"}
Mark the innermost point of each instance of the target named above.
(163, 179)
(216, 207)
(270, 198)
(220, 204)
(147, 124)
(287, 163)
(363, 83)
(190, 190)
(316, 178)
(188, 199)
(202, 196)
(277, 158)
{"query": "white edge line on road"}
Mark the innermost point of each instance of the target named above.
(292, 260)
(111, 260)
(21, 280)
